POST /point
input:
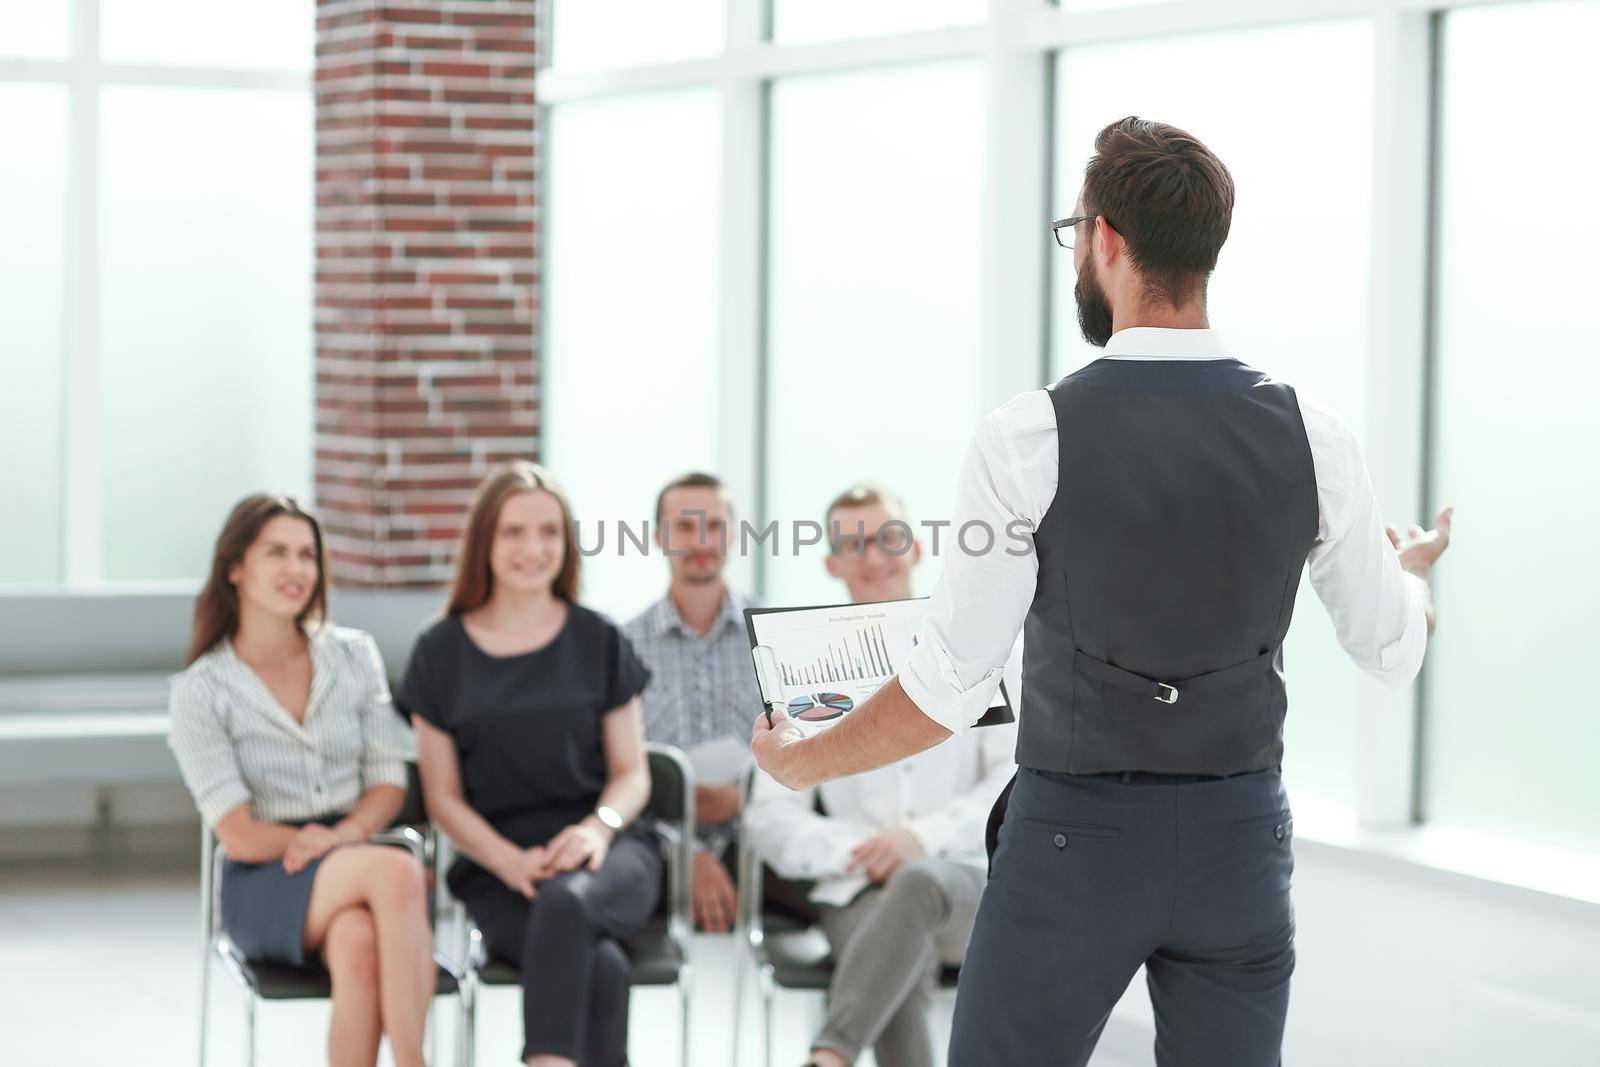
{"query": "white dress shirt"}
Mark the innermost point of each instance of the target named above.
(942, 796)
(1009, 476)
(235, 743)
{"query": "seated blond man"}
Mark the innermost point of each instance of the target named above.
(898, 857)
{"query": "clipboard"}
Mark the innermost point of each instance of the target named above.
(834, 656)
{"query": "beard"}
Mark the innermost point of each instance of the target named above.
(1094, 311)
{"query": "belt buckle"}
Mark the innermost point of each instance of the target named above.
(1166, 694)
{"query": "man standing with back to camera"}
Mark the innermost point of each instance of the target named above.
(1174, 496)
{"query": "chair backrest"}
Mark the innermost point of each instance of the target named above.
(671, 795)
(414, 812)
(671, 803)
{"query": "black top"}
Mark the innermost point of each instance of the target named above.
(526, 727)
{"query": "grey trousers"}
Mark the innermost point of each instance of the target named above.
(1094, 876)
(888, 944)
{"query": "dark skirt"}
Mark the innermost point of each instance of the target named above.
(264, 907)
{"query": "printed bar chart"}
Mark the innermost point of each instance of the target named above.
(860, 656)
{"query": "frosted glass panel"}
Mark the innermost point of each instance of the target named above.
(30, 29)
(1511, 729)
(587, 34)
(33, 124)
(797, 21)
(631, 329)
(205, 366)
(873, 307)
(209, 33)
(1300, 160)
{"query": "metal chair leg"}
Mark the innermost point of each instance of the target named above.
(466, 1038)
(207, 920)
(249, 1029)
(768, 995)
(741, 950)
(205, 998)
(685, 1000)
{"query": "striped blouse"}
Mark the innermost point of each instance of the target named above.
(235, 743)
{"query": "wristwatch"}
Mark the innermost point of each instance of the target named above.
(609, 818)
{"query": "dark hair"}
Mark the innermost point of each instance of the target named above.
(216, 609)
(692, 480)
(1169, 198)
(474, 579)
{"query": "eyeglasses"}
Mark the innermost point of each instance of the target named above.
(890, 539)
(1059, 225)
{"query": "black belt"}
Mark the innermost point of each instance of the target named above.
(1167, 692)
(1142, 777)
(1152, 778)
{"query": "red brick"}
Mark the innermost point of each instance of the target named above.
(390, 120)
(506, 19)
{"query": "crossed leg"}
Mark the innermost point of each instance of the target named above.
(350, 950)
(368, 915)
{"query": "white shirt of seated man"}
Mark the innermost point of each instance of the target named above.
(935, 804)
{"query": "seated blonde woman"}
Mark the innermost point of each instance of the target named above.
(286, 736)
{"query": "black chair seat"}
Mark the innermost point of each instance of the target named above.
(499, 972)
(801, 958)
(280, 981)
(653, 954)
(651, 951)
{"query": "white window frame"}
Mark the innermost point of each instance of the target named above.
(85, 75)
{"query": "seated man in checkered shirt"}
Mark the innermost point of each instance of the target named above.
(702, 692)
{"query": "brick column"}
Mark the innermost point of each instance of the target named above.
(426, 275)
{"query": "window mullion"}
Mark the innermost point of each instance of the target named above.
(82, 515)
(1398, 250)
(741, 344)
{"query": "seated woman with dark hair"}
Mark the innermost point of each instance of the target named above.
(531, 747)
(286, 736)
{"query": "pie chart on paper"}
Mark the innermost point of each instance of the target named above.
(819, 707)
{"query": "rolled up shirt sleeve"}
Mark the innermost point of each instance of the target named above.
(982, 597)
(204, 751)
(387, 744)
(1377, 611)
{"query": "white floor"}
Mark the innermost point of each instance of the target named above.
(100, 964)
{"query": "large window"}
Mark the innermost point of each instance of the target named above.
(1301, 163)
(33, 125)
(800, 21)
(205, 326)
(1511, 730)
(155, 279)
(588, 34)
(632, 323)
(208, 33)
(30, 30)
(872, 368)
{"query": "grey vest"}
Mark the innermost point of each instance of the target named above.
(1168, 564)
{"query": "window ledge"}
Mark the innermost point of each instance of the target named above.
(1519, 871)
